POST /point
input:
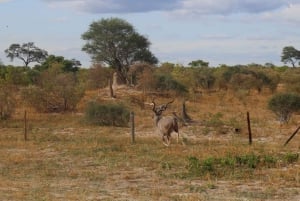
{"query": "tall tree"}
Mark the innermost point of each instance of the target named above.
(115, 42)
(290, 55)
(27, 52)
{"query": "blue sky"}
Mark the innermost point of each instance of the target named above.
(218, 31)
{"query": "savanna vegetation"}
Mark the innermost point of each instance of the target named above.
(79, 146)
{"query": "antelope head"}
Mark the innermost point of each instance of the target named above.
(159, 109)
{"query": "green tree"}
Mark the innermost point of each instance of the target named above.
(291, 80)
(198, 63)
(16, 75)
(66, 65)
(204, 76)
(246, 78)
(186, 76)
(283, 105)
(269, 65)
(290, 55)
(115, 42)
(166, 83)
(165, 68)
(27, 52)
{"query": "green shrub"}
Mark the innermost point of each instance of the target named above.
(194, 166)
(291, 157)
(107, 114)
(283, 105)
(215, 120)
(236, 165)
(249, 160)
(165, 82)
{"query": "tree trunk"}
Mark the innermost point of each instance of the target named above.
(121, 72)
(118, 79)
(65, 104)
(111, 90)
(185, 116)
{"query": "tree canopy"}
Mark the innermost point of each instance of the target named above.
(198, 63)
(27, 52)
(290, 55)
(115, 42)
(67, 65)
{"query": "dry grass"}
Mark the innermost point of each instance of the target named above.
(67, 160)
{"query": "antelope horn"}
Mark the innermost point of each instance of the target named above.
(170, 102)
(153, 105)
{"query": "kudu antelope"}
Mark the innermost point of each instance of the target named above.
(165, 124)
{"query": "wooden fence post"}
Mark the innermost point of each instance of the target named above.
(25, 125)
(296, 131)
(249, 128)
(132, 127)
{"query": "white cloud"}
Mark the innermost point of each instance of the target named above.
(182, 9)
(225, 50)
(289, 13)
(65, 3)
(219, 31)
(227, 7)
(115, 6)
(177, 7)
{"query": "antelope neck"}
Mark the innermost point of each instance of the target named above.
(157, 118)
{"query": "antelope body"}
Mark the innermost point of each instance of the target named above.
(165, 124)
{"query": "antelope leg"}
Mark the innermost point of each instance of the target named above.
(168, 138)
(164, 141)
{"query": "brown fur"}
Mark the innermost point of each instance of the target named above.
(166, 125)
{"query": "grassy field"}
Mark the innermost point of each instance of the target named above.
(65, 159)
